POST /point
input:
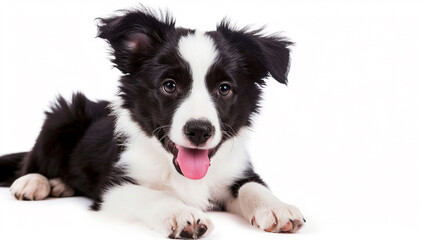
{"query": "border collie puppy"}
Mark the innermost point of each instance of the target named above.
(173, 144)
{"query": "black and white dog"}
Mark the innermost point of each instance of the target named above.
(173, 144)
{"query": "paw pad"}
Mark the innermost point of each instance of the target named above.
(191, 230)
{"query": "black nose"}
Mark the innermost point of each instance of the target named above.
(198, 131)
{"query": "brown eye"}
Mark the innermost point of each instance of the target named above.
(224, 89)
(169, 86)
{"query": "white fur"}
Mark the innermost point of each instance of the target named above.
(158, 210)
(256, 204)
(151, 165)
(32, 186)
(162, 195)
(200, 52)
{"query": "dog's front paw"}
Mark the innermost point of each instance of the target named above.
(189, 223)
(280, 218)
(32, 186)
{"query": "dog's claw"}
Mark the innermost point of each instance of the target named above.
(189, 225)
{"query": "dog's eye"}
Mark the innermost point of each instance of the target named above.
(224, 89)
(169, 86)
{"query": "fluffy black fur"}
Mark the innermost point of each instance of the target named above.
(9, 167)
(77, 141)
(77, 144)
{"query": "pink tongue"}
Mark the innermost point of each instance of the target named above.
(194, 163)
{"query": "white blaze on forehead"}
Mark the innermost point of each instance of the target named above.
(199, 51)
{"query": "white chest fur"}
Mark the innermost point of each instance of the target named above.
(148, 163)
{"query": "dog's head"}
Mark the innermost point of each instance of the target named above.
(191, 90)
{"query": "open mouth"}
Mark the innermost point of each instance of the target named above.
(193, 163)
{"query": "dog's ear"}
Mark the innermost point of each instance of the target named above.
(134, 35)
(263, 54)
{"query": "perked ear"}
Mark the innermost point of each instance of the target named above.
(264, 54)
(134, 35)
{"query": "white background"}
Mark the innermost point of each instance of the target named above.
(345, 141)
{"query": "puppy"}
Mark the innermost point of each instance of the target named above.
(173, 143)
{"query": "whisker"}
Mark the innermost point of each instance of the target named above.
(164, 128)
(226, 125)
(160, 128)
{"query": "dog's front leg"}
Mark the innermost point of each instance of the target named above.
(157, 209)
(256, 203)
